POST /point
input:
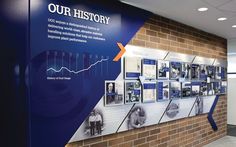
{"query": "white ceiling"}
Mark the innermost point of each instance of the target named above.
(185, 11)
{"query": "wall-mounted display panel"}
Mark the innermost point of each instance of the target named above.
(133, 91)
(203, 72)
(218, 72)
(166, 90)
(175, 70)
(175, 90)
(186, 71)
(210, 88)
(163, 69)
(195, 71)
(195, 88)
(149, 92)
(211, 72)
(186, 89)
(217, 87)
(149, 68)
(163, 91)
(114, 93)
(132, 67)
(203, 89)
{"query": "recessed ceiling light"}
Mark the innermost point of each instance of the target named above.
(222, 18)
(202, 9)
(233, 26)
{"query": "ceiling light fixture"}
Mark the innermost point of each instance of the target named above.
(222, 19)
(202, 9)
(233, 26)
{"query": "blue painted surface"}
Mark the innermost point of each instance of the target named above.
(210, 114)
(58, 107)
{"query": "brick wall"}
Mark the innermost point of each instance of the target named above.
(162, 33)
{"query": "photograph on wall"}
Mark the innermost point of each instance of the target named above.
(172, 110)
(132, 67)
(195, 88)
(149, 92)
(94, 124)
(195, 71)
(203, 72)
(114, 93)
(136, 118)
(216, 87)
(175, 70)
(186, 89)
(186, 71)
(203, 89)
(223, 73)
(163, 69)
(223, 88)
(149, 69)
(199, 105)
(210, 89)
(175, 90)
(163, 91)
(218, 73)
(211, 72)
(132, 91)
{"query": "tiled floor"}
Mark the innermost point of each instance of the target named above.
(227, 141)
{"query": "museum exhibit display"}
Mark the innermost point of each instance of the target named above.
(86, 80)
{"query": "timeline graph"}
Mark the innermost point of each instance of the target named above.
(61, 63)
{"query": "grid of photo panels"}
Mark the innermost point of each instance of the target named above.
(149, 80)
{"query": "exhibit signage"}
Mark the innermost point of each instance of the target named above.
(72, 48)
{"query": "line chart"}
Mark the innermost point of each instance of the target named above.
(76, 72)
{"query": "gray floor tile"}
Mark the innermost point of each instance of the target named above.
(227, 141)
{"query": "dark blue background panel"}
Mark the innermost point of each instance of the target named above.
(67, 77)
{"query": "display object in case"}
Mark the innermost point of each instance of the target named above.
(149, 68)
(186, 71)
(163, 91)
(132, 91)
(175, 70)
(163, 69)
(210, 89)
(195, 88)
(216, 87)
(218, 73)
(186, 89)
(211, 72)
(132, 67)
(195, 71)
(175, 90)
(203, 72)
(114, 93)
(203, 89)
(149, 92)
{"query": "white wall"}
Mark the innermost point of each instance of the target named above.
(231, 82)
